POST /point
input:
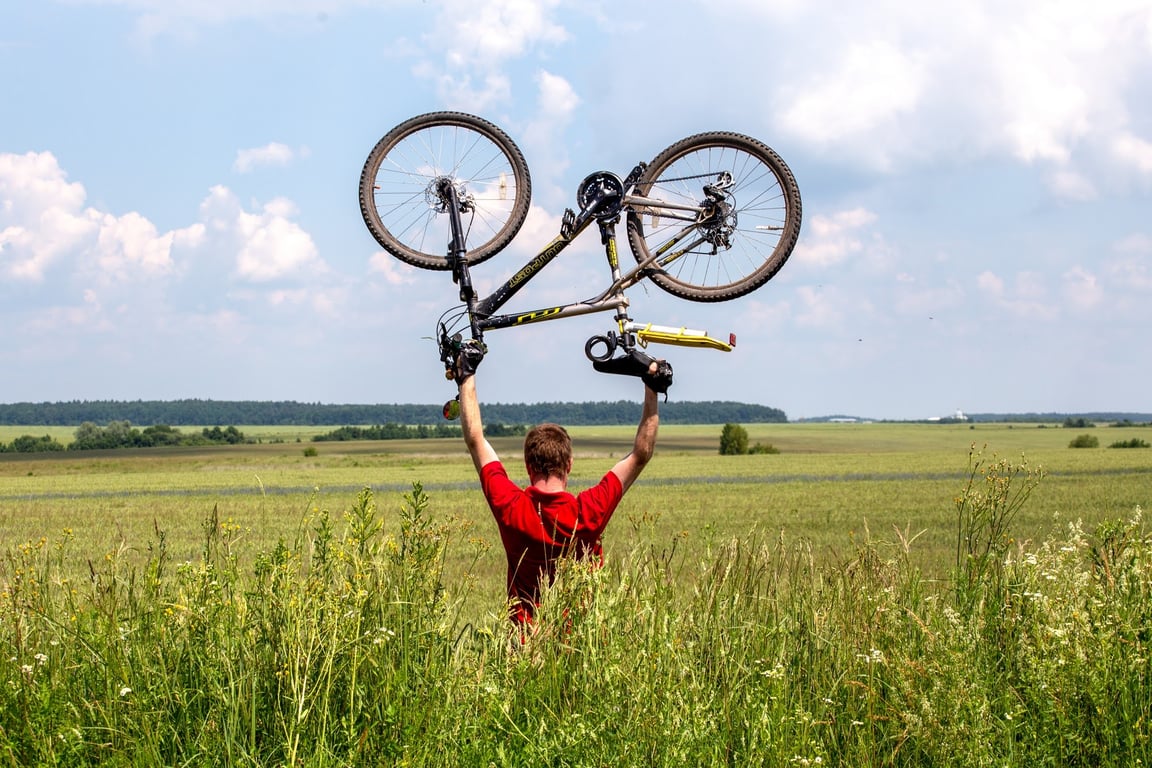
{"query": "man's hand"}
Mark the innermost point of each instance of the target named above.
(659, 377)
(657, 374)
(467, 361)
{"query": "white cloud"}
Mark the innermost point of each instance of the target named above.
(1082, 288)
(468, 94)
(273, 246)
(829, 240)
(41, 215)
(1027, 297)
(478, 40)
(1133, 152)
(162, 16)
(1040, 81)
(88, 316)
(1137, 243)
(927, 301)
(991, 284)
(43, 221)
(767, 319)
(104, 271)
(557, 98)
(1133, 270)
(130, 243)
(542, 139)
(320, 302)
(487, 34)
(1070, 185)
(266, 245)
(273, 154)
(874, 85)
(394, 271)
(819, 308)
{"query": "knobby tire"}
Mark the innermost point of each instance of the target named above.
(397, 188)
(759, 235)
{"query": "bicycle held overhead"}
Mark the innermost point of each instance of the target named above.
(711, 218)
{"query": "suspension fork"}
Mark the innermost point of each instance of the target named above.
(457, 260)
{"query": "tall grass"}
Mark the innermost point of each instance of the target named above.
(348, 646)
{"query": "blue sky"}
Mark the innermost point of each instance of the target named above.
(178, 212)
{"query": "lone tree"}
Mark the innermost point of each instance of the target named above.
(733, 440)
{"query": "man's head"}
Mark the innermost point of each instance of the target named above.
(548, 452)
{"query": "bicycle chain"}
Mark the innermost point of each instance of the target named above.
(663, 180)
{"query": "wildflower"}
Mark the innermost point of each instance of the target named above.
(125, 691)
(41, 659)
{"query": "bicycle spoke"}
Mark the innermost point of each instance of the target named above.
(403, 188)
(745, 229)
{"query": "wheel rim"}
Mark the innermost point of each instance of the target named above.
(410, 171)
(738, 242)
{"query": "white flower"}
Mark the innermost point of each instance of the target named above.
(125, 691)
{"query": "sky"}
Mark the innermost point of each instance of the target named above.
(179, 214)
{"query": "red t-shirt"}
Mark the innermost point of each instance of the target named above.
(537, 528)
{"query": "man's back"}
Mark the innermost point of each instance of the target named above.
(542, 522)
(538, 527)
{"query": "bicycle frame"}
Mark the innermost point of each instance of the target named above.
(603, 198)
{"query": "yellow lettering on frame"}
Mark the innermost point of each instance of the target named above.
(539, 314)
(534, 266)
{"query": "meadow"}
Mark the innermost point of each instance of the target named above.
(873, 594)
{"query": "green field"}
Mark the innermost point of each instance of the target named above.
(831, 485)
(254, 605)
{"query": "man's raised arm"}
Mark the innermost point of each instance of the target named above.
(478, 446)
(629, 467)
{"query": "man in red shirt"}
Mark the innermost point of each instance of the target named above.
(543, 522)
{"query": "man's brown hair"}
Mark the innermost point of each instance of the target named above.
(548, 451)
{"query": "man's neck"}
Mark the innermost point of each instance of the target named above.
(550, 484)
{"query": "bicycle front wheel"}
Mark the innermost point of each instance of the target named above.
(401, 188)
(722, 216)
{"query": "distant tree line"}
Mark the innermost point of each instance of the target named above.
(1116, 418)
(32, 444)
(388, 431)
(413, 432)
(291, 413)
(121, 434)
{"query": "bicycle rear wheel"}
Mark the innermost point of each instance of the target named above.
(399, 188)
(744, 239)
